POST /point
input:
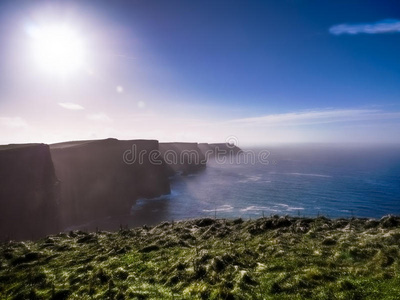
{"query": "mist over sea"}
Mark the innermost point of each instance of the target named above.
(297, 180)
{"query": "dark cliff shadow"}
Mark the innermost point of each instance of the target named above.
(28, 192)
(96, 181)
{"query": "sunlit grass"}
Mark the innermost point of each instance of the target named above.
(268, 258)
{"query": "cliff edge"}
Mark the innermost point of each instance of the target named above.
(104, 177)
(28, 192)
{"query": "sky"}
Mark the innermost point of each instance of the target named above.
(251, 72)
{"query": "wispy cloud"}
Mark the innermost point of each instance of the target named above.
(100, 117)
(316, 117)
(71, 106)
(384, 26)
(13, 122)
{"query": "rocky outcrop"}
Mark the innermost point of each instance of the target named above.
(28, 192)
(184, 158)
(104, 177)
(219, 150)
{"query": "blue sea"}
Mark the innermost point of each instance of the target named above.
(297, 180)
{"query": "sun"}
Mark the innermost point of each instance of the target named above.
(57, 49)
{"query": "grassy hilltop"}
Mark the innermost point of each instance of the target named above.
(268, 258)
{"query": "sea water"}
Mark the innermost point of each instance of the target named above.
(297, 180)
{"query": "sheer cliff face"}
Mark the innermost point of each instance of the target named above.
(220, 150)
(28, 192)
(105, 177)
(44, 190)
(182, 158)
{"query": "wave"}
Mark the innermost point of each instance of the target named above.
(309, 174)
(250, 179)
(225, 207)
(259, 208)
(289, 208)
(138, 205)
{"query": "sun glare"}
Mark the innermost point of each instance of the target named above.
(57, 49)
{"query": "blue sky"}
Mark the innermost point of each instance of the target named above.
(259, 71)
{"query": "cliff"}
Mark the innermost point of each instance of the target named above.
(184, 158)
(104, 177)
(28, 192)
(47, 188)
(218, 150)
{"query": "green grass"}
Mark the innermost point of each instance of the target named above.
(268, 258)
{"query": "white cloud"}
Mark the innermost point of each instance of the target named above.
(14, 122)
(100, 117)
(72, 106)
(316, 117)
(383, 26)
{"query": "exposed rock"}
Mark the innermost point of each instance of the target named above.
(184, 158)
(219, 151)
(44, 190)
(104, 177)
(28, 192)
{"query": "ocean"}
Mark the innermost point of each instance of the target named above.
(297, 180)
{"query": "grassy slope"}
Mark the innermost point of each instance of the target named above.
(271, 258)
